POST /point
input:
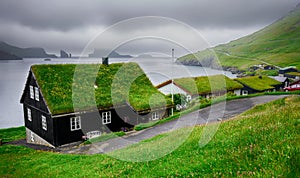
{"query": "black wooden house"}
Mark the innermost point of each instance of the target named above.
(51, 117)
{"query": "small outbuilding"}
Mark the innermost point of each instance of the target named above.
(205, 86)
(258, 84)
(286, 70)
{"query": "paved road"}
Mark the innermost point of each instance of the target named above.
(215, 113)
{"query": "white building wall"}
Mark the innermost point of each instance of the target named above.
(168, 89)
(237, 92)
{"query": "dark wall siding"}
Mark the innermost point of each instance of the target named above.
(63, 133)
(92, 121)
(36, 124)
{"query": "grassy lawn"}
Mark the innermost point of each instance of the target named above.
(12, 134)
(263, 141)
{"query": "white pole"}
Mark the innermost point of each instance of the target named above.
(172, 110)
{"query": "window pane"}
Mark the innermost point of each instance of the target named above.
(44, 123)
(75, 123)
(154, 116)
(31, 92)
(106, 117)
(29, 114)
(37, 95)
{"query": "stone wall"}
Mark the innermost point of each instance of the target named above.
(33, 138)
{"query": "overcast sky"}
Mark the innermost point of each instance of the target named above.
(70, 25)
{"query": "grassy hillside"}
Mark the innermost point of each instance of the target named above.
(263, 142)
(277, 44)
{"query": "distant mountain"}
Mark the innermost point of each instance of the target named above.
(277, 44)
(103, 53)
(64, 54)
(23, 52)
(7, 56)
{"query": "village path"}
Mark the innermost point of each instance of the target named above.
(214, 113)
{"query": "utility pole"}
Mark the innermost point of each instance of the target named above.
(172, 83)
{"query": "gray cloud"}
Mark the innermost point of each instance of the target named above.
(68, 24)
(67, 14)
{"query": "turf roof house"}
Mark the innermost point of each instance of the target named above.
(204, 86)
(49, 114)
(285, 70)
(258, 84)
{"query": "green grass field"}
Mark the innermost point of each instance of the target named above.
(263, 142)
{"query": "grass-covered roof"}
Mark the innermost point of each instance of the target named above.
(207, 84)
(84, 86)
(294, 73)
(259, 83)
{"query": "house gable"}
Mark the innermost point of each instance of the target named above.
(33, 96)
(37, 116)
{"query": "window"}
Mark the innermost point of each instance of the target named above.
(36, 92)
(188, 98)
(245, 92)
(75, 123)
(31, 92)
(29, 114)
(44, 123)
(106, 117)
(155, 116)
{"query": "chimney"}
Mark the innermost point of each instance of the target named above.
(105, 60)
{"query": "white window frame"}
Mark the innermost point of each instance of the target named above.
(31, 91)
(155, 116)
(75, 123)
(36, 94)
(245, 92)
(44, 123)
(29, 116)
(188, 98)
(106, 117)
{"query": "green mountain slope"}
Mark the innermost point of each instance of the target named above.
(277, 44)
